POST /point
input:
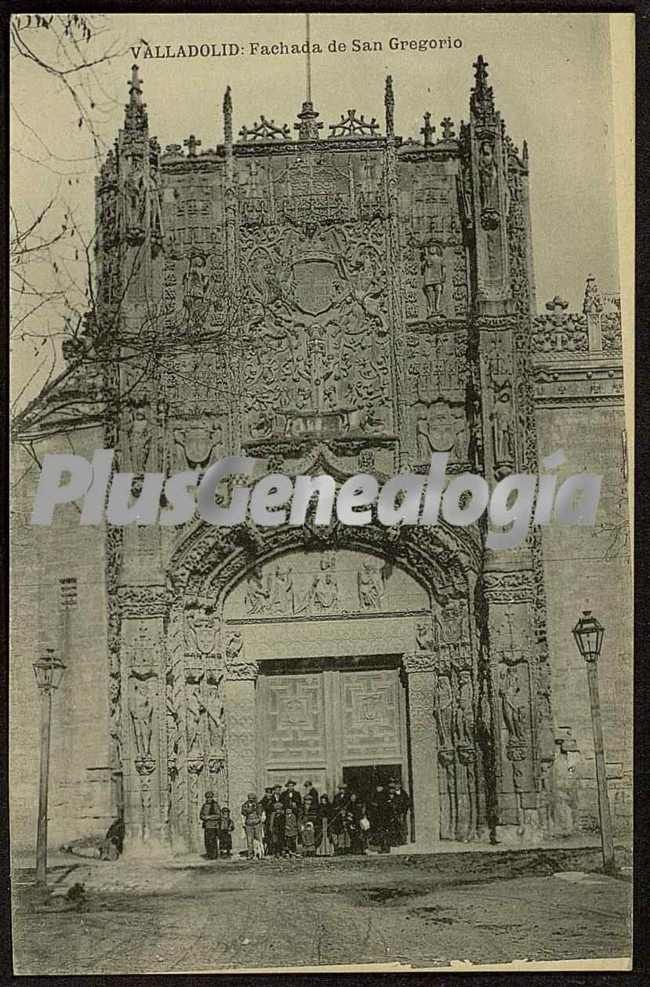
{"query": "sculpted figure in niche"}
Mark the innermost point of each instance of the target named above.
(370, 585)
(465, 710)
(502, 431)
(487, 171)
(257, 594)
(154, 208)
(141, 711)
(324, 592)
(195, 287)
(216, 717)
(434, 275)
(511, 708)
(234, 647)
(139, 435)
(443, 710)
(282, 594)
(135, 192)
(195, 710)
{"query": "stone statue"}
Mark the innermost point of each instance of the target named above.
(502, 432)
(464, 720)
(257, 593)
(282, 597)
(511, 709)
(370, 586)
(141, 711)
(139, 436)
(432, 267)
(487, 172)
(195, 288)
(215, 715)
(195, 710)
(155, 211)
(234, 647)
(135, 193)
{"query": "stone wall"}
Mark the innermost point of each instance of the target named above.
(80, 777)
(578, 390)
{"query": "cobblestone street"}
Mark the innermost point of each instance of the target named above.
(235, 914)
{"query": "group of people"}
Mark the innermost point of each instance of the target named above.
(286, 822)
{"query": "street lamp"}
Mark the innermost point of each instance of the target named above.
(588, 634)
(49, 672)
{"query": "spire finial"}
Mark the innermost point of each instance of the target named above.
(227, 117)
(308, 124)
(135, 87)
(136, 115)
(482, 98)
(389, 106)
(307, 62)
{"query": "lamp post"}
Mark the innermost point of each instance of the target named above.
(49, 672)
(588, 634)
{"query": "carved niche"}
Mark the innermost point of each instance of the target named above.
(443, 642)
(437, 371)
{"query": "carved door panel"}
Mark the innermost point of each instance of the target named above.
(371, 717)
(310, 726)
(292, 721)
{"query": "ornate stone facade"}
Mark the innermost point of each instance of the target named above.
(328, 303)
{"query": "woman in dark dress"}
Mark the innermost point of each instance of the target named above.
(357, 812)
(323, 836)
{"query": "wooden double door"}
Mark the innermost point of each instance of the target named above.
(330, 724)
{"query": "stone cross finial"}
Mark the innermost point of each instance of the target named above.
(191, 144)
(447, 128)
(482, 98)
(427, 131)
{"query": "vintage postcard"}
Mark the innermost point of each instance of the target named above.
(322, 599)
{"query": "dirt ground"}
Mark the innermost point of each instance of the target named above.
(204, 916)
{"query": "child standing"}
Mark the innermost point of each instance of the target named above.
(226, 826)
(290, 830)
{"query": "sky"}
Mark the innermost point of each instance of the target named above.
(551, 80)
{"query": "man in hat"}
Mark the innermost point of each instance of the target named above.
(251, 812)
(292, 799)
(210, 816)
(310, 792)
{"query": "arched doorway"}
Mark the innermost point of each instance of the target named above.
(329, 665)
